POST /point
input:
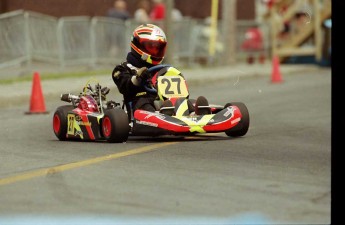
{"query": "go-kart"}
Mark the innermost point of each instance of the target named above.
(178, 114)
(91, 117)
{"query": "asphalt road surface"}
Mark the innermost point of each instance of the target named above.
(279, 172)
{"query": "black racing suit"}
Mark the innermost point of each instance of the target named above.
(135, 96)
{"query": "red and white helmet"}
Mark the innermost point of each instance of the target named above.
(149, 41)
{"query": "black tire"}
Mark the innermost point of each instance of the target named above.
(115, 127)
(60, 121)
(242, 127)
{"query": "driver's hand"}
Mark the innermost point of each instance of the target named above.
(142, 73)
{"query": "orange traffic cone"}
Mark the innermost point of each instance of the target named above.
(37, 104)
(276, 75)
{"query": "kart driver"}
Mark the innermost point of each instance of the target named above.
(148, 45)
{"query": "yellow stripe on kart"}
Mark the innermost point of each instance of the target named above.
(99, 117)
(182, 108)
(73, 124)
(196, 126)
(172, 72)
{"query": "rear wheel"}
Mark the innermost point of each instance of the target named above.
(242, 127)
(60, 121)
(115, 127)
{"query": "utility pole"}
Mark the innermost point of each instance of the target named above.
(229, 16)
(168, 29)
(214, 30)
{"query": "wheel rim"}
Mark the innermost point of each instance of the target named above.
(106, 127)
(56, 123)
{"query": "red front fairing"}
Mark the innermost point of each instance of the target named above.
(85, 116)
(88, 103)
(88, 124)
(153, 119)
(222, 121)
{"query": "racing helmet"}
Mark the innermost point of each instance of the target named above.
(149, 41)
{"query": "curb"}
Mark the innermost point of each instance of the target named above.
(19, 93)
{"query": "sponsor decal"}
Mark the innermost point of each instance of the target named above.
(193, 118)
(147, 123)
(236, 120)
(84, 123)
(70, 127)
(149, 114)
(146, 112)
(79, 132)
(140, 94)
(228, 112)
(198, 118)
(80, 121)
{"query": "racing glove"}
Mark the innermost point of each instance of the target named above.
(141, 74)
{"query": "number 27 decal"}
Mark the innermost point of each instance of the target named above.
(172, 86)
(70, 129)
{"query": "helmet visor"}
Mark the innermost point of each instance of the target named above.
(154, 48)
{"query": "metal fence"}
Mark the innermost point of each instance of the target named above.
(13, 39)
(27, 37)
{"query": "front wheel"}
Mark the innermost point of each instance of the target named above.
(60, 121)
(115, 126)
(242, 127)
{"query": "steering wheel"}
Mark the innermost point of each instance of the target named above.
(152, 71)
(157, 68)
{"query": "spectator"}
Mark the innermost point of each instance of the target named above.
(286, 29)
(115, 34)
(203, 32)
(253, 44)
(302, 19)
(119, 10)
(176, 14)
(158, 10)
(142, 13)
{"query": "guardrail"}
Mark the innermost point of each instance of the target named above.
(27, 37)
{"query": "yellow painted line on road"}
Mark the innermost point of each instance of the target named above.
(74, 165)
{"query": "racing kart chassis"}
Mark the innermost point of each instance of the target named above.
(91, 117)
